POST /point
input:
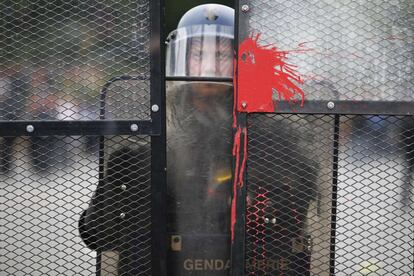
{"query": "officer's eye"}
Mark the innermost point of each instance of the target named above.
(196, 55)
(225, 56)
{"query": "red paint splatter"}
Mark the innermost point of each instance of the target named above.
(234, 94)
(236, 154)
(263, 69)
(258, 71)
(243, 165)
(296, 216)
(238, 172)
(256, 224)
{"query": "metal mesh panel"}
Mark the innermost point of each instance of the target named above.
(289, 194)
(55, 56)
(136, 105)
(375, 210)
(356, 50)
(303, 220)
(47, 184)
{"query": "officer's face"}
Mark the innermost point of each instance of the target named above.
(211, 57)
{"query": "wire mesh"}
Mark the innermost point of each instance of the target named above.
(305, 218)
(348, 50)
(50, 182)
(289, 187)
(375, 210)
(55, 57)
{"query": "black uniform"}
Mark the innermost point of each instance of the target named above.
(102, 226)
(199, 190)
(199, 141)
(198, 180)
(281, 184)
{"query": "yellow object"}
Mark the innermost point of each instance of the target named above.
(369, 267)
(223, 178)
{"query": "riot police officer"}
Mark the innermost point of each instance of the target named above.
(199, 148)
(198, 158)
(199, 139)
(199, 143)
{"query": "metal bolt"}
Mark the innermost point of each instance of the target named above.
(122, 215)
(309, 242)
(330, 105)
(155, 108)
(273, 221)
(134, 127)
(266, 220)
(245, 8)
(244, 105)
(123, 187)
(30, 128)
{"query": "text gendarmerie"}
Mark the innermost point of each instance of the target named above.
(219, 264)
(206, 264)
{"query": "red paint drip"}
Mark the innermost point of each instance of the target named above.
(243, 165)
(234, 94)
(263, 69)
(236, 152)
(296, 215)
(238, 172)
(256, 225)
(233, 213)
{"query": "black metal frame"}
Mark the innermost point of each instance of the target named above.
(334, 107)
(68, 128)
(158, 143)
(209, 79)
(104, 90)
(238, 243)
(334, 192)
(155, 127)
(348, 108)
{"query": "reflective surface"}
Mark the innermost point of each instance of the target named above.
(349, 50)
(199, 177)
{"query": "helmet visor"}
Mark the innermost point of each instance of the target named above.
(200, 51)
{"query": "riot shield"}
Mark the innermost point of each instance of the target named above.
(199, 177)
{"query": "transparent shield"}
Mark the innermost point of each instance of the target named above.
(201, 50)
(199, 177)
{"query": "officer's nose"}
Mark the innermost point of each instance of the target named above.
(209, 66)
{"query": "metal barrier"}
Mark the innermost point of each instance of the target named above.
(320, 188)
(326, 188)
(81, 166)
(329, 195)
